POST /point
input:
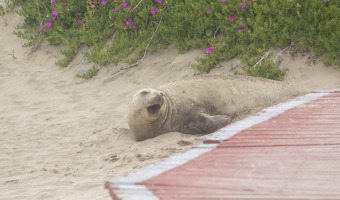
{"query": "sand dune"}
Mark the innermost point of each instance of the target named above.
(62, 137)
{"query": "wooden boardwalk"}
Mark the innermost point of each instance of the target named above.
(289, 151)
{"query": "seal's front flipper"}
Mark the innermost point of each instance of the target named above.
(211, 124)
(205, 123)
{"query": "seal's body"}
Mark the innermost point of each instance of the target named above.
(200, 106)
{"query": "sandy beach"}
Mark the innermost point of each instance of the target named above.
(62, 137)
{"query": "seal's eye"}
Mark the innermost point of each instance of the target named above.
(144, 92)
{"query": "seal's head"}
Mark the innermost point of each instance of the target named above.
(146, 110)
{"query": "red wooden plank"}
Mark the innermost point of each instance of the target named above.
(295, 155)
(298, 172)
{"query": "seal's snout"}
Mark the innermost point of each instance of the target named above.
(155, 104)
(150, 102)
(154, 109)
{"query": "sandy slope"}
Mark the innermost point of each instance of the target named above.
(62, 137)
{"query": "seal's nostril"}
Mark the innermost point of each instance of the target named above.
(145, 92)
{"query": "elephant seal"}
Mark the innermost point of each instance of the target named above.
(202, 105)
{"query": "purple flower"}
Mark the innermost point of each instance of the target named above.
(55, 13)
(223, 1)
(115, 10)
(129, 22)
(208, 10)
(79, 21)
(209, 49)
(53, 17)
(240, 30)
(48, 25)
(243, 6)
(65, 3)
(244, 24)
(104, 2)
(42, 28)
(53, 2)
(125, 5)
(159, 1)
(153, 11)
(231, 18)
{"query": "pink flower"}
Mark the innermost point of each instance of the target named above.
(231, 18)
(53, 2)
(55, 13)
(65, 3)
(42, 28)
(243, 6)
(115, 10)
(79, 21)
(129, 22)
(125, 5)
(244, 24)
(93, 5)
(209, 49)
(159, 1)
(223, 1)
(208, 10)
(240, 30)
(48, 25)
(53, 17)
(104, 2)
(153, 11)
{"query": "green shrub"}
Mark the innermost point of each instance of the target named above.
(262, 67)
(88, 73)
(121, 31)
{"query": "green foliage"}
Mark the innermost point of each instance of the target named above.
(11, 4)
(263, 67)
(120, 31)
(2, 13)
(89, 73)
(2, 10)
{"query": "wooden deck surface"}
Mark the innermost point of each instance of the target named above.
(291, 151)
